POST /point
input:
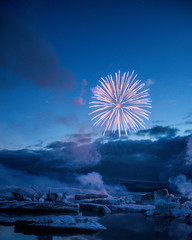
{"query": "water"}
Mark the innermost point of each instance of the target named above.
(133, 226)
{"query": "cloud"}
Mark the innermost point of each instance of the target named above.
(81, 137)
(15, 177)
(78, 151)
(26, 56)
(117, 159)
(94, 90)
(115, 135)
(32, 164)
(149, 82)
(142, 159)
(159, 131)
(59, 161)
(189, 151)
(84, 82)
(59, 145)
(92, 180)
(78, 101)
(183, 184)
(59, 164)
(188, 132)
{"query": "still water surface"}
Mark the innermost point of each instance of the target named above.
(131, 226)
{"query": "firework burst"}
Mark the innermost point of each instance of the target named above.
(120, 104)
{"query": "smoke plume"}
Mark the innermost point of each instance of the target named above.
(183, 184)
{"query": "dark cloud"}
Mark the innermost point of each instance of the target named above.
(20, 178)
(189, 151)
(144, 159)
(78, 101)
(159, 131)
(38, 163)
(188, 132)
(28, 57)
(75, 156)
(115, 135)
(78, 151)
(60, 161)
(141, 160)
(60, 145)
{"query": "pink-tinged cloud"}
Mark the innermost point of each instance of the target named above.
(78, 101)
(82, 127)
(149, 82)
(94, 90)
(84, 82)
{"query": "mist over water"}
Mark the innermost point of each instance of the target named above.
(182, 182)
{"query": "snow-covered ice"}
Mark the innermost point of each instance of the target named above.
(64, 222)
(38, 206)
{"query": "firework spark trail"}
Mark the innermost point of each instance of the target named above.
(119, 104)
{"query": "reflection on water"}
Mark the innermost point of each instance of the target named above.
(180, 231)
(7, 233)
(119, 227)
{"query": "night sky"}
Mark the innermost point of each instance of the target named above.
(52, 53)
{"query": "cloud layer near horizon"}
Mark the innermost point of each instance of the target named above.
(63, 162)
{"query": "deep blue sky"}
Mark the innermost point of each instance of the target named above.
(91, 39)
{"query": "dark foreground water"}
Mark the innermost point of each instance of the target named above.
(131, 226)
